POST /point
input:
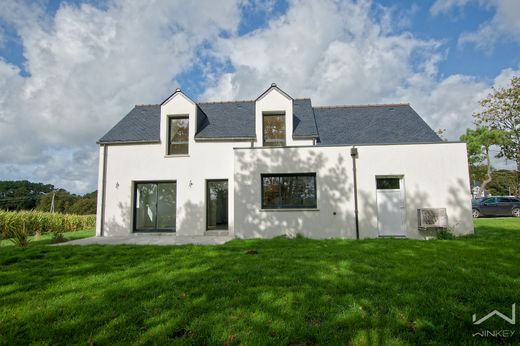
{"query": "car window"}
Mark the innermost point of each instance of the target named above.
(504, 200)
(489, 200)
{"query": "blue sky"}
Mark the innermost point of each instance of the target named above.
(69, 70)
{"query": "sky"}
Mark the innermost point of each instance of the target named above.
(70, 70)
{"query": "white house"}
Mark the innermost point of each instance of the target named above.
(278, 166)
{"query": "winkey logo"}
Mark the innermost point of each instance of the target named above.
(496, 333)
(511, 320)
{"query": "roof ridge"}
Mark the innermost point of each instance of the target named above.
(302, 98)
(214, 102)
(146, 105)
(365, 105)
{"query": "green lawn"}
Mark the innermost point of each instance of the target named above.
(301, 292)
(46, 238)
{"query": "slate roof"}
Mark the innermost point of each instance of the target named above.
(376, 124)
(371, 124)
(304, 123)
(140, 125)
(226, 120)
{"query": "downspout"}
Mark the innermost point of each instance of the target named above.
(354, 155)
(103, 192)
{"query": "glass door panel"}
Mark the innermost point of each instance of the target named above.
(146, 207)
(217, 204)
(155, 206)
(166, 206)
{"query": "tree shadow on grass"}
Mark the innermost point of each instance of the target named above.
(291, 292)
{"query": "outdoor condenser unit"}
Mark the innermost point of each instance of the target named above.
(432, 218)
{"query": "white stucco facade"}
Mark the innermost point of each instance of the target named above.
(433, 175)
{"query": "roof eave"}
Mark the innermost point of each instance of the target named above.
(224, 139)
(100, 142)
(274, 86)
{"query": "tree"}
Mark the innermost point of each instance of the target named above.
(477, 173)
(84, 205)
(503, 183)
(501, 111)
(479, 142)
(21, 194)
(63, 200)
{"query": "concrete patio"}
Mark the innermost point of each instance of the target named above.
(151, 239)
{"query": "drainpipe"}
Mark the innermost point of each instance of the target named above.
(103, 191)
(354, 155)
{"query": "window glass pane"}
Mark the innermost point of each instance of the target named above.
(177, 149)
(308, 191)
(145, 210)
(179, 135)
(289, 191)
(274, 130)
(272, 189)
(155, 206)
(179, 130)
(387, 183)
(166, 205)
(217, 204)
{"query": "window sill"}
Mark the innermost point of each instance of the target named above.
(289, 209)
(180, 155)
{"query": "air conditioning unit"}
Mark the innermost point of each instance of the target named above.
(432, 218)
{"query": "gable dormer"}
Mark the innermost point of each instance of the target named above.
(277, 122)
(274, 118)
(178, 124)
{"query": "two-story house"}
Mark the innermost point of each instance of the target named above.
(278, 166)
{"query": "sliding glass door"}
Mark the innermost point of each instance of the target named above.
(217, 204)
(155, 207)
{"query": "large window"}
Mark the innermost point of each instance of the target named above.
(155, 207)
(274, 130)
(217, 204)
(178, 135)
(289, 191)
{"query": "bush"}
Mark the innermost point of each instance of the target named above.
(445, 234)
(36, 222)
(20, 237)
(58, 238)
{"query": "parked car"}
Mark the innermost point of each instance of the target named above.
(496, 206)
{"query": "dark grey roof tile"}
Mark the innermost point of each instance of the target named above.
(226, 119)
(140, 125)
(304, 124)
(377, 124)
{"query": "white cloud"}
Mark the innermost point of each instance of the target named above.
(337, 53)
(504, 25)
(88, 67)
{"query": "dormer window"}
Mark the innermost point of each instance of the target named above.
(178, 135)
(274, 129)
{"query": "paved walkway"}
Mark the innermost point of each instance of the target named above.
(151, 239)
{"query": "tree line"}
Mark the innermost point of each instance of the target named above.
(497, 126)
(25, 195)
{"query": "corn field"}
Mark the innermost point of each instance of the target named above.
(42, 222)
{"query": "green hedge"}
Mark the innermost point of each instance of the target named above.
(42, 222)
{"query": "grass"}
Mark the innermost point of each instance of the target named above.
(46, 238)
(300, 291)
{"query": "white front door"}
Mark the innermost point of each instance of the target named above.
(390, 206)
